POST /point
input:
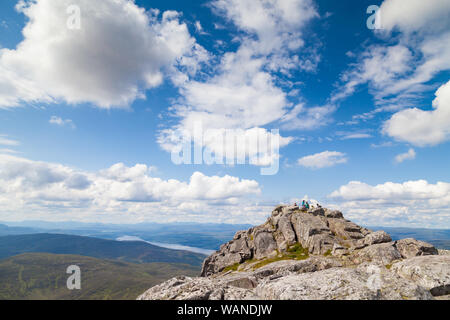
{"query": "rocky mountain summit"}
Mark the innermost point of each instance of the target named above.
(314, 254)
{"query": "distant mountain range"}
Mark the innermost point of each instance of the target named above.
(440, 238)
(7, 230)
(42, 276)
(206, 236)
(131, 251)
(418, 233)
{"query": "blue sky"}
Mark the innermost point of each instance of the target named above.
(84, 111)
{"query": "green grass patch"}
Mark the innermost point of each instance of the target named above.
(295, 252)
(298, 250)
(264, 262)
(328, 253)
(233, 267)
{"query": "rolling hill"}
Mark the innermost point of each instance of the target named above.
(136, 252)
(42, 276)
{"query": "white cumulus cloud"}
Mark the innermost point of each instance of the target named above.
(415, 15)
(61, 122)
(421, 127)
(119, 52)
(323, 160)
(410, 155)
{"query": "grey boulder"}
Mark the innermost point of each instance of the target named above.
(412, 248)
(430, 272)
(383, 253)
(340, 284)
(376, 238)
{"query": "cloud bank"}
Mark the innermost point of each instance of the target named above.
(38, 190)
(415, 203)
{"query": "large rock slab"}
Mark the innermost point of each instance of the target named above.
(431, 272)
(186, 288)
(412, 248)
(285, 267)
(235, 251)
(317, 211)
(217, 262)
(317, 278)
(340, 284)
(264, 245)
(383, 253)
(285, 226)
(289, 209)
(376, 238)
(346, 230)
(313, 233)
(333, 214)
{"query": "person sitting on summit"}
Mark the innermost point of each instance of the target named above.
(305, 205)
